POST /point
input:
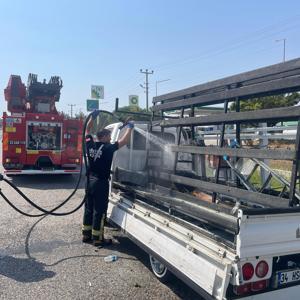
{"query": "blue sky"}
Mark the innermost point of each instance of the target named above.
(108, 42)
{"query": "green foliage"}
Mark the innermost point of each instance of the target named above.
(268, 102)
(102, 120)
(135, 109)
(121, 115)
(80, 116)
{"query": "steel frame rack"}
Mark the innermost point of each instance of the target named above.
(272, 80)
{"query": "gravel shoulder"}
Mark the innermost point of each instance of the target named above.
(45, 258)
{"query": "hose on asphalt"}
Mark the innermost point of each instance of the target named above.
(52, 212)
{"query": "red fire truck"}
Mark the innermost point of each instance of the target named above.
(37, 139)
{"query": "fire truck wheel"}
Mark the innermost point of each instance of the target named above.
(160, 270)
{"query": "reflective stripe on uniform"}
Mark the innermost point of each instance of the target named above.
(86, 227)
(95, 232)
(99, 233)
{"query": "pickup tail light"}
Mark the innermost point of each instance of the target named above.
(242, 289)
(248, 288)
(248, 271)
(259, 285)
(262, 269)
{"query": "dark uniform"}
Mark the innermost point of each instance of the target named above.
(100, 157)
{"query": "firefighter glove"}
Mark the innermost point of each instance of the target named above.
(130, 124)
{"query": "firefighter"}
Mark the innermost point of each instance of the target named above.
(100, 155)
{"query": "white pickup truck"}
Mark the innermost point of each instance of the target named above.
(222, 251)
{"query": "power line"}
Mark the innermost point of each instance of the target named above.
(132, 81)
(234, 47)
(193, 80)
(282, 40)
(250, 38)
(236, 43)
(157, 82)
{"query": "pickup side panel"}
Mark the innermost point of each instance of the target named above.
(209, 272)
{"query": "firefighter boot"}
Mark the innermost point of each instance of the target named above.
(98, 237)
(86, 233)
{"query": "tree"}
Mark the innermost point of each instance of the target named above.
(145, 116)
(268, 102)
(64, 114)
(80, 116)
(121, 115)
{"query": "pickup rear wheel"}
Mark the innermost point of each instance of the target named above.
(159, 269)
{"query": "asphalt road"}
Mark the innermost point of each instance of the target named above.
(44, 257)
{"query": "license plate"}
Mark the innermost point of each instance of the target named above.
(288, 277)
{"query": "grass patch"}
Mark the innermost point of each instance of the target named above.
(274, 184)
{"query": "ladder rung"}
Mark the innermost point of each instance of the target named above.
(264, 185)
(252, 172)
(283, 191)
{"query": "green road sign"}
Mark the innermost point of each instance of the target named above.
(92, 104)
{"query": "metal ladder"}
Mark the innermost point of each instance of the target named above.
(245, 168)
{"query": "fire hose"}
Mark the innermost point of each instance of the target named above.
(52, 212)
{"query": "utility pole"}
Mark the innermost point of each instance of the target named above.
(282, 40)
(71, 109)
(146, 72)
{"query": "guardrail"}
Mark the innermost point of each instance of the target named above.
(261, 133)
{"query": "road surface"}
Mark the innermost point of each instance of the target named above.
(44, 257)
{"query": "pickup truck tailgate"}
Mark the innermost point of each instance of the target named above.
(264, 234)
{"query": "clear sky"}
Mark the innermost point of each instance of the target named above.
(108, 42)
